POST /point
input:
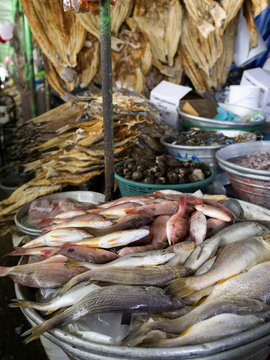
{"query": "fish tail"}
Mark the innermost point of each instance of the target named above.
(3, 271)
(21, 303)
(182, 287)
(266, 238)
(36, 331)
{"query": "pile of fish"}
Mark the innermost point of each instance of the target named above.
(65, 146)
(151, 41)
(192, 268)
(259, 160)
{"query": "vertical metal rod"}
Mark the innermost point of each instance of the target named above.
(26, 71)
(106, 73)
(47, 93)
(31, 69)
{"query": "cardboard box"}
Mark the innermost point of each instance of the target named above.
(261, 78)
(166, 97)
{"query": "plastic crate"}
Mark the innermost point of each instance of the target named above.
(133, 188)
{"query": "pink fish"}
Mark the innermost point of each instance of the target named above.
(214, 209)
(156, 207)
(87, 254)
(197, 227)
(158, 229)
(177, 195)
(136, 199)
(43, 251)
(50, 273)
(137, 249)
(214, 226)
(177, 226)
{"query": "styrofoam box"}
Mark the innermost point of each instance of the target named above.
(261, 78)
(166, 97)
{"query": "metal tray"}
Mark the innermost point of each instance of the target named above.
(81, 196)
(191, 121)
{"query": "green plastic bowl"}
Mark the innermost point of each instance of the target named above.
(133, 188)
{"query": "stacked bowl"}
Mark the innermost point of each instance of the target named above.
(250, 183)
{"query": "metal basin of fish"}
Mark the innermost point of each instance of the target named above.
(251, 344)
(80, 196)
(207, 153)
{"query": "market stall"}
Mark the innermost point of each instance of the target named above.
(142, 221)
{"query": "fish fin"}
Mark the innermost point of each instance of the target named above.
(228, 278)
(21, 303)
(71, 262)
(35, 332)
(3, 271)
(131, 211)
(49, 312)
(266, 237)
(181, 287)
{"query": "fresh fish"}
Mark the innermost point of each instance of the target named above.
(177, 226)
(87, 253)
(136, 249)
(116, 298)
(232, 260)
(217, 327)
(254, 284)
(152, 276)
(197, 296)
(67, 215)
(174, 195)
(119, 238)
(132, 221)
(149, 258)
(235, 207)
(158, 229)
(182, 251)
(50, 273)
(197, 227)
(57, 302)
(232, 233)
(58, 237)
(215, 209)
(206, 266)
(84, 221)
(214, 226)
(116, 211)
(141, 199)
(43, 251)
(157, 207)
(202, 312)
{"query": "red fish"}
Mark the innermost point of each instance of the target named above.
(177, 226)
(214, 209)
(214, 226)
(87, 254)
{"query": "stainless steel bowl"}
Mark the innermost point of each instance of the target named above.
(191, 121)
(205, 154)
(249, 184)
(21, 220)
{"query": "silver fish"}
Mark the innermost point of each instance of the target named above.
(197, 227)
(232, 233)
(232, 260)
(252, 284)
(117, 298)
(200, 313)
(50, 273)
(58, 301)
(215, 328)
(177, 226)
(149, 258)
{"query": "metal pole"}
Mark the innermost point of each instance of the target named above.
(26, 71)
(31, 69)
(106, 73)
